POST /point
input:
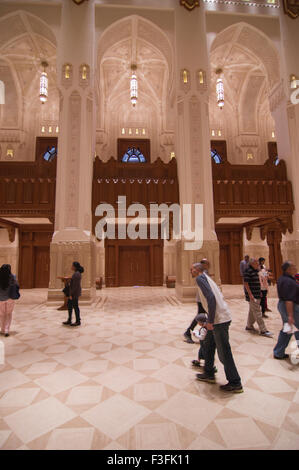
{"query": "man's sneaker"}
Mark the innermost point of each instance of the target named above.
(77, 323)
(265, 316)
(196, 364)
(188, 339)
(250, 328)
(68, 322)
(268, 310)
(285, 356)
(206, 378)
(231, 388)
(268, 334)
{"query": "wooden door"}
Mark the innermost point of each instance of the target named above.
(42, 266)
(224, 264)
(34, 259)
(231, 248)
(134, 266)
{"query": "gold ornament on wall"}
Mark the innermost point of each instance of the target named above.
(189, 4)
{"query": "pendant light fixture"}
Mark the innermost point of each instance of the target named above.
(219, 89)
(43, 84)
(134, 85)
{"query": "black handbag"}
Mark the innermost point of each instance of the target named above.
(14, 291)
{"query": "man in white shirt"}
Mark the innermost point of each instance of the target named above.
(218, 322)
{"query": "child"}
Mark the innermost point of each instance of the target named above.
(201, 334)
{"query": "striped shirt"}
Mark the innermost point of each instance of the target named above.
(251, 276)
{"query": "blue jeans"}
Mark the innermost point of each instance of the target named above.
(284, 338)
(219, 338)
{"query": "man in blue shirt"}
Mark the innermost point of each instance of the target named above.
(288, 307)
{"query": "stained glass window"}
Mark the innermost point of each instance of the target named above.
(216, 157)
(133, 155)
(50, 154)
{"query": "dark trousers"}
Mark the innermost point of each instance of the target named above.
(73, 304)
(193, 324)
(219, 338)
(264, 300)
(201, 351)
(284, 338)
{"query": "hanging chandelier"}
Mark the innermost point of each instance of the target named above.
(219, 89)
(43, 84)
(134, 85)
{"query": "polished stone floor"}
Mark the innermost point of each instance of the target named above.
(123, 379)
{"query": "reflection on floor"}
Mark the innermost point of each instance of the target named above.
(123, 379)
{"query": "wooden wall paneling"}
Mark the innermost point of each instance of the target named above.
(231, 250)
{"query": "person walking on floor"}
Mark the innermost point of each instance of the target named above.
(263, 276)
(252, 289)
(218, 322)
(74, 294)
(288, 307)
(200, 309)
(9, 292)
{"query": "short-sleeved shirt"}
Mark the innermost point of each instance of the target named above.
(251, 276)
(288, 288)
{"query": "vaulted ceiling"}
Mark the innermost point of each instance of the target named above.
(24, 42)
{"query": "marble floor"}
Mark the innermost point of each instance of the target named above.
(123, 379)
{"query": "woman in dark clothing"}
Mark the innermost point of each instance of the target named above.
(74, 294)
(7, 279)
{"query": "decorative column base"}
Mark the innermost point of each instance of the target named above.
(62, 255)
(185, 284)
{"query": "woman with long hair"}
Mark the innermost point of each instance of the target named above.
(74, 293)
(7, 279)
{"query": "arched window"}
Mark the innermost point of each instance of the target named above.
(216, 157)
(133, 155)
(50, 154)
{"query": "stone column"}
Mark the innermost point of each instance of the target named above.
(72, 238)
(193, 140)
(286, 117)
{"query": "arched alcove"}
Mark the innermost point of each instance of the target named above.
(250, 70)
(135, 41)
(25, 40)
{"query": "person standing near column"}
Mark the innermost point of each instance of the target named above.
(252, 289)
(7, 282)
(288, 307)
(74, 294)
